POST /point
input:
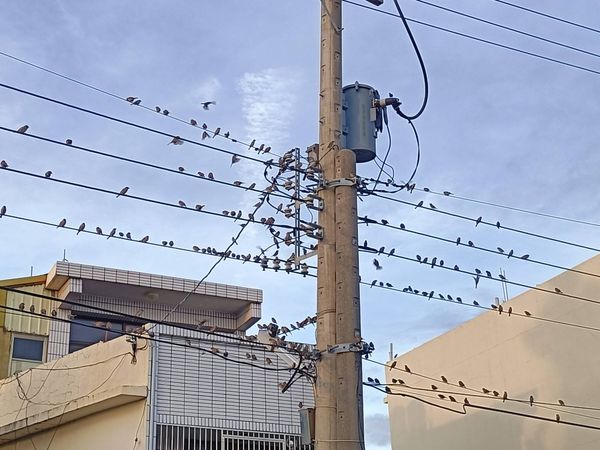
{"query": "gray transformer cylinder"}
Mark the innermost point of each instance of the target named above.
(358, 121)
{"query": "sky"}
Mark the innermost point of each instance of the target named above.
(499, 127)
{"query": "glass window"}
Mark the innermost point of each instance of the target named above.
(83, 336)
(29, 349)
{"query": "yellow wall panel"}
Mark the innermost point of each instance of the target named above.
(28, 323)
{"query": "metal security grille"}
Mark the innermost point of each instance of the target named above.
(176, 437)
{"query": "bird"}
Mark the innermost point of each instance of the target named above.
(452, 399)
(419, 204)
(456, 267)
(199, 207)
(217, 131)
(205, 135)
(145, 239)
(498, 225)
(509, 311)
(211, 176)
(466, 401)
(432, 206)
(504, 396)
(510, 253)
(478, 221)
(407, 369)
(251, 145)
(181, 203)
(447, 193)
(531, 400)
(69, 141)
(525, 257)
(561, 402)
(2, 210)
(136, 102)
(3, 164)
(558, 291)
(23, 129)
(62, 223)
(557, 418)
(444, 379)
(496, 393)
(461, 384)
(128, 235)
(165, 112)
(471, 244)
(193, 122)
(112, 233)
(48, 174)
(98, 230)
(476, 281)
(181, 169)
(500, 249)
(485, 391)
(388, 285)
(377, 265)
(81, 228)
(527, 313)
(195, 248)
(373, 283)
(157, 109)
(123, 191)
(205, 105)
(475, 303)
(434, 387)
(176, 141)
(235, 159)
(131, 99)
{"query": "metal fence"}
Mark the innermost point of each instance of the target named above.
(177, 437)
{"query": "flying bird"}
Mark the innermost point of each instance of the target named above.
(123, 191)
(176, 141)
(235, 159)
(23, 129)
(377, 265)
(205, 105)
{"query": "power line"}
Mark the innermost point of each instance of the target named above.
(504, 27)
(135, 125)
(464, 406)
(485, 41)
(456, 269)
(143, 199)
(135, 318)
(539, 13)
(448, 194)
(459, 242)
(459, 301)
(206, 251)
(480, 220)
(111, 94)
(143, 163)
(218, 354)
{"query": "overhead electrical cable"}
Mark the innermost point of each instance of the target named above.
(504, 27)
(478, 39)
(549, 16)
(483, 222)
(244, 186)
(138, 126)
(465, 244)
(139, 198)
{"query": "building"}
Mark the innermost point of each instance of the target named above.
(180, 389)
(529, 359)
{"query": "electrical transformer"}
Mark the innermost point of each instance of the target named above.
(360, 120)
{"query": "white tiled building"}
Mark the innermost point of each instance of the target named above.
(192, 399)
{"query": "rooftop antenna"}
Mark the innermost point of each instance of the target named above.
(65, 255)
(31, 272)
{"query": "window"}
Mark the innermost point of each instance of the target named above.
(27, 351)
(83, 335)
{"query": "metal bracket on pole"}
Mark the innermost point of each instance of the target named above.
(338, 182)
(344, 348)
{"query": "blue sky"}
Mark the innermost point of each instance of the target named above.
(500, 127)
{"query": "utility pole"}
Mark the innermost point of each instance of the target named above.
(338, 398)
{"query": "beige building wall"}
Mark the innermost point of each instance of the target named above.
(520, 355)
(93, 398)
(123, 427)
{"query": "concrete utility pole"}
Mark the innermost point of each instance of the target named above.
(338, 409)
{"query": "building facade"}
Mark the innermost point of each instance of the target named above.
(530, 383)
(186, 389)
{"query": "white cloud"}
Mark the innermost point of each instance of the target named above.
(268, 99)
